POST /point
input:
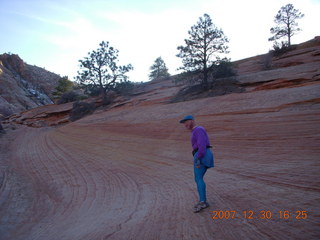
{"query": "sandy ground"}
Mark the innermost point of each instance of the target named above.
(127, 173)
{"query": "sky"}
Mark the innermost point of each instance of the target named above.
(56, 34)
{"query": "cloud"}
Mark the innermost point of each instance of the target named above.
(59, 33)
(142, 37)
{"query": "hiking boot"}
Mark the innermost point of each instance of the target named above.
(199, 206)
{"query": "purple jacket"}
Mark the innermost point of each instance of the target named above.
(200, 140)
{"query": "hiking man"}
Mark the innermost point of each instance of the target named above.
(202, 158)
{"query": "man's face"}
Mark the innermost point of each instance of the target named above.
(189, 124)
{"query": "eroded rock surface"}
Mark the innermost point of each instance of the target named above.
(126, 173)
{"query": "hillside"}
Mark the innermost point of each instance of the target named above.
(23, 86)
(125, 172)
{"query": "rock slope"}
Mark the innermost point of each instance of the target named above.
(23, 86)
(126, 173)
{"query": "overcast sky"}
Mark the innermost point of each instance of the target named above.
(56, 34)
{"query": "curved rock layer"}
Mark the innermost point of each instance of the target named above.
(127, 173)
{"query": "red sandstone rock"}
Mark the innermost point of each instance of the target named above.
(126, 173)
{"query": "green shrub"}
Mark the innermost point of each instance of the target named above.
(222, 70)
(70, 97)
(124, 88)
(91, 89)
(81, 109)
(64, 85)
(280, 49)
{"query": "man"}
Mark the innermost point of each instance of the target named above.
(202, 158)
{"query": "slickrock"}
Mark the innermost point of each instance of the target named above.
(126, 173)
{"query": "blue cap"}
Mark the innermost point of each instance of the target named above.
(186, 118)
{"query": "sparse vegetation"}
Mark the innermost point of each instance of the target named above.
(278, 50)
(90, 89)
(286, 25)
(205, 71)
(64, 85)
(222, 80)
(66, 91)
(222, 69)
(124, 88)
(81, 109)
(100, 69)
(202, 49)
(158, 70)
(219, 87)
(70, 96)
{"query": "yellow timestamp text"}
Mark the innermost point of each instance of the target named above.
(263, 214)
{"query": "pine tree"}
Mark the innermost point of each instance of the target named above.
(100, 69)
(64, 85)
(286, 23)
(201, 51)
(158, 70)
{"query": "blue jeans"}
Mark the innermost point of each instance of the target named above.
(201, 185)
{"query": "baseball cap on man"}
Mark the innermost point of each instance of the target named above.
(186, 118)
